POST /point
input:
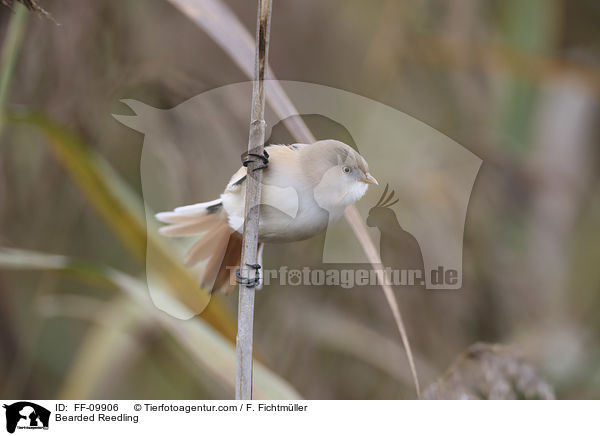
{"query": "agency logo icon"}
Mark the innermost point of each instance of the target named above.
(191, 150)
(398, 248)
(26, 415)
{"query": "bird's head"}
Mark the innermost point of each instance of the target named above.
(340, 175)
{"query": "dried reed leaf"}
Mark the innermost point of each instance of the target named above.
(122, 211)
(209, 349)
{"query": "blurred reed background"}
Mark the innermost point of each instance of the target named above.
(515, 81)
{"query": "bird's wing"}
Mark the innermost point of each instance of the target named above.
(276, 152)
(236, 181)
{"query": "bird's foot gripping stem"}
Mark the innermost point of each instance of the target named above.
(249, 283)
(255, 157)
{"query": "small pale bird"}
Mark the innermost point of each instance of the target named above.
(304, 188)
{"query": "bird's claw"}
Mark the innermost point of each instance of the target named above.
(252, 157)
(249, 283)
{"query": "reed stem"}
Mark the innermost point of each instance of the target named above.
(243, 389)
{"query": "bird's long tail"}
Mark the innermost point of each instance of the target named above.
(218, 245)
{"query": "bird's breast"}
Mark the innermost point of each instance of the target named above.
(276, 226)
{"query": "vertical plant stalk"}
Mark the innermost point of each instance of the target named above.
(10, 52)
(243, 386)
(355, 222)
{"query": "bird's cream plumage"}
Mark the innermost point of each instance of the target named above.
(304, 188)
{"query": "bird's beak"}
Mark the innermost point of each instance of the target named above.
(368, 178)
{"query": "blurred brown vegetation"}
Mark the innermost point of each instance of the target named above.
(515, 81)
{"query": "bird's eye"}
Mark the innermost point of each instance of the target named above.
(347, 170)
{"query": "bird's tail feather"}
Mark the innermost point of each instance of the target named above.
(218, 245)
